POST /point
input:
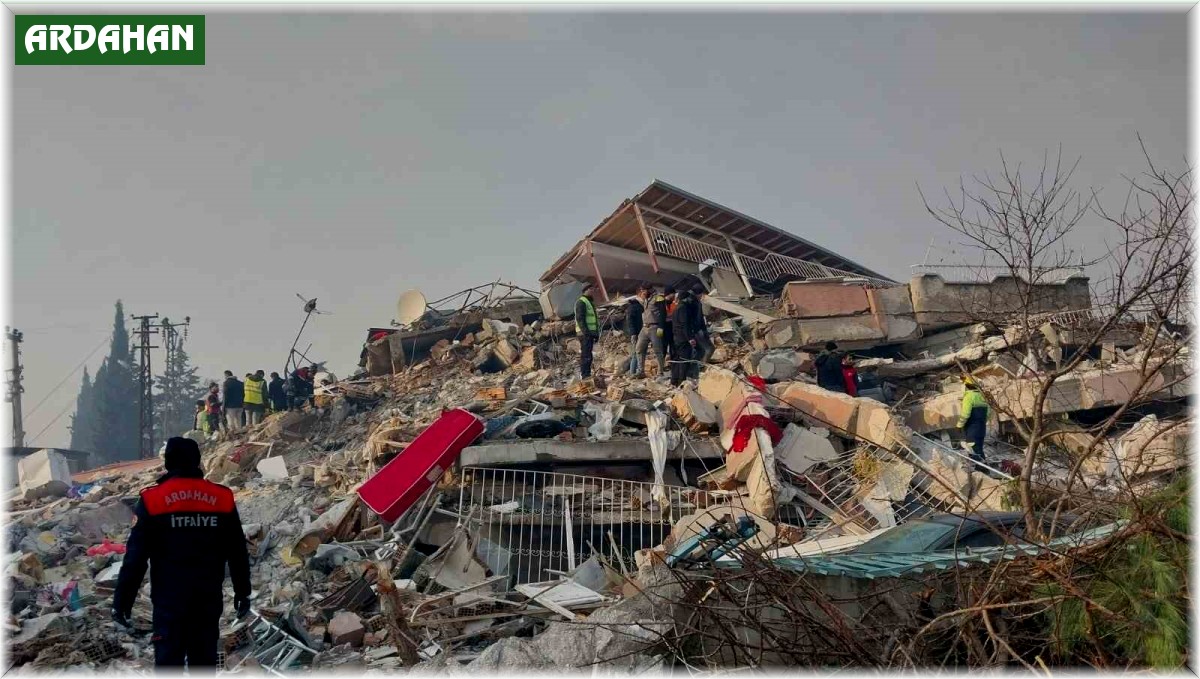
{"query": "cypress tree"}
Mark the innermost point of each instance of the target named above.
(81, 425)
(113, 421)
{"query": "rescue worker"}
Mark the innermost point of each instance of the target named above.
(828, 366)
(234, 396)
(587, 327)
(704, 347)
(684, 335)
(654, 321)
(972, 419)
(634, 310)
(212, 406)
(668, 333)
(201, 418)
(849, 375)
(187, 529)
(256, 398)
(277, 393)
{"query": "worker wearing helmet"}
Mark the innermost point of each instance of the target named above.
(973, 417)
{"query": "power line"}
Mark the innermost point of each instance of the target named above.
(64, 380)
(51, 424)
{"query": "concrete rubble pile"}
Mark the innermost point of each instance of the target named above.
(547, 540)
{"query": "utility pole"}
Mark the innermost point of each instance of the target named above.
(146, 385)
(15, 388)
(172, 342)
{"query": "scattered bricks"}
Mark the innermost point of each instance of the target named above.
(375, 623)
(101, 650)
(528, 362)
(492, 394)
(693, 411)
(346, 628)
(615, 393)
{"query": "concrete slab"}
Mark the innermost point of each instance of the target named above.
(553, 450)
(831, 408)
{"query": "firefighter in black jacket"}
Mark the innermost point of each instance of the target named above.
(187, 529)
(683, 330)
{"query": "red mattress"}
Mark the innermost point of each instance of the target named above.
(401, 482)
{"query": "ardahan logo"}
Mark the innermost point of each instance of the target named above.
(109, 40)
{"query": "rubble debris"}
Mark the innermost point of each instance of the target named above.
(43, 474)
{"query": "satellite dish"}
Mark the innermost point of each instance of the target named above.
(410, 307)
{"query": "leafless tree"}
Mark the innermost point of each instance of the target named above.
(1027, 224)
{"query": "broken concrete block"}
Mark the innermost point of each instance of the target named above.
(831, 408)
(101, 522)
(875, 423)
(346, 628)
(43, 474)
(777, 366)
(801, 448)
(716, 383)
(507, 352)
(273, 468)
(31, 565)
(1150, 446)
(696, 413)
(935, 414)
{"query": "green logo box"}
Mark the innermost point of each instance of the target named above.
(109, 40)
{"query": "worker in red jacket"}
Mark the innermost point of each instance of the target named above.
(849, 375)
(188, 529)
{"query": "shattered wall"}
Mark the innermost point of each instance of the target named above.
(940, 304)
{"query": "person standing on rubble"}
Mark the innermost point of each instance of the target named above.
(212, 405)
(654, 321)
(972, 419)
(668, 326)
(587, 326)
(704, 347)
(634, 310)
(828, 365)
(188, 530)
(850, 375)
(277, 393)
(683, 326)
(256, 398)
(234, 397)
(201, 418)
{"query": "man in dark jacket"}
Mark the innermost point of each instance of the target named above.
(233, 398)
(683, 329)
(277, 393)
(634, 310)
(828, 365)
(187, 529)
(654, 320)
(587, 327)
(704, 347)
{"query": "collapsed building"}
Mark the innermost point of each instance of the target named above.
(467, 500)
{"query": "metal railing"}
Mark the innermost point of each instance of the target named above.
(550, 521)
(671, 244)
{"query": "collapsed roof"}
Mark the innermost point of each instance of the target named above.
(664, 232)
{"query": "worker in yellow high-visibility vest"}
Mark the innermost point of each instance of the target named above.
(587, 328)
(255, 398)
(972, 419)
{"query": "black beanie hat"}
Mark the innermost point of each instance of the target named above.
(182, 454)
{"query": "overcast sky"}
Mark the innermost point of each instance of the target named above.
(352, 157)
